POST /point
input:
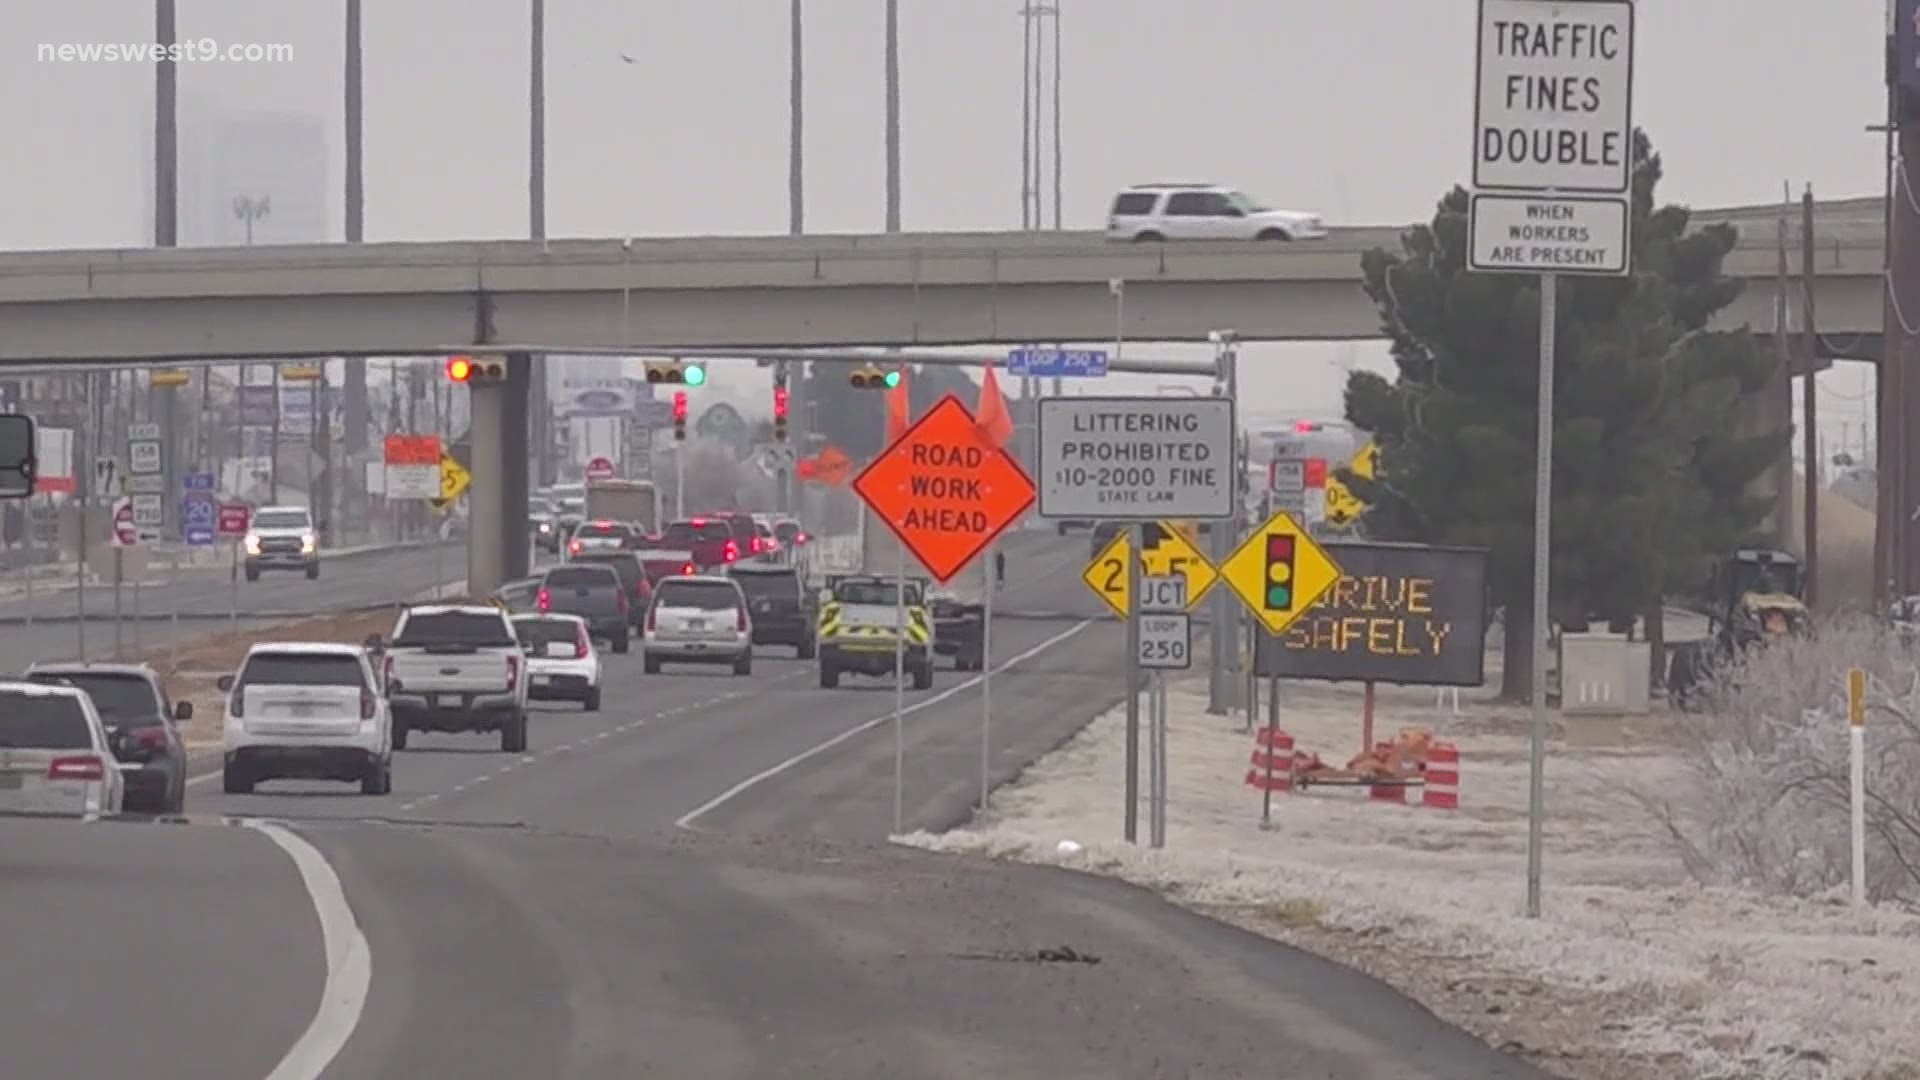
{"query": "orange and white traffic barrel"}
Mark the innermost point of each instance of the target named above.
(1442, 789)
(1272, 761)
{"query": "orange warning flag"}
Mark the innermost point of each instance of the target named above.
(899, 409)
(996, 424)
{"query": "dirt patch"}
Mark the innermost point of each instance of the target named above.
(191, 669)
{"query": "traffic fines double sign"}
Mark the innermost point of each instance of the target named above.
(945, 490)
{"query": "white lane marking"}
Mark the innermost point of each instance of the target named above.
(349, 961)
(686, 820)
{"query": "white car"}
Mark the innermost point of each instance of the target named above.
(698, 619)
(308, 710)
(55, 756)
(561, 663)
(1150, 212)
(282, 538)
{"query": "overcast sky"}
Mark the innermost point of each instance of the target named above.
(1360, 109)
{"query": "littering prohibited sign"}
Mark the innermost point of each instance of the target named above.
(1136, 458)
(1553, 137)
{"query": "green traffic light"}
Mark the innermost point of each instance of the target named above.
(1279, 598)
(893, 379)
(695, 375)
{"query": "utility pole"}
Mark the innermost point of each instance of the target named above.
(1809, 409)
(166, 215)
(796, 107)
(354, 391)
(540, 413)
(893, 116)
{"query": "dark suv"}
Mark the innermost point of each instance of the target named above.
(595, 594)
(782, 610)
(139, 722)
(632, 571)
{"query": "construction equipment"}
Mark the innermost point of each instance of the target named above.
(1757, 599)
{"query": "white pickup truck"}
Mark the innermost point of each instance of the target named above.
(456, 668)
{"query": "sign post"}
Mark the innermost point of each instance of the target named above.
(232, 521)
(1552, 173)
(1857, 779)
(1139, 460)
(1164, 645)
(946, 493)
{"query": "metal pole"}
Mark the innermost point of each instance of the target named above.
(1059, 196)
(1153, 757)
(166, 132)
(1273, 728)
(26, 536)
(986, 673)
(1857, 809)
(1026, 122)
(893, 116)
(273, 467)
(1542, 552)
(679, 481)
(1132, 819)
(80, 585)
(137, 646)
(233, 586)
(118, 569)
(1160, 753)
(1220, 638)
(899, 680)
(1809, 411)
(796, 112)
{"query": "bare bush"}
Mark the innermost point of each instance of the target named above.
(1769, 754)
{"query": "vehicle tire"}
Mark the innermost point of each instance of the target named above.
(744, 665)
(592, 701)
(804, 650)
(378, 780)
(1062, 528)
(1272, 234)
(235, 781)
(176, 803)
(622, 642)
(313, 571)
(253, 574)
(399, 735)
(650, 663)
(1149, 237)
(829, 677)
(513, 734)
(923, 676)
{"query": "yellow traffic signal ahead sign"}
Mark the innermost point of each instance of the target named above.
(1279, 572)
(1168, 553)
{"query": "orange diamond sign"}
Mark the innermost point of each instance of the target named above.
(945, 491)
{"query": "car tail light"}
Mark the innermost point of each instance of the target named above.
(84, 767)
(574, 547)
(150, 738)
(513, 672)
(237, 701)
(731, 552)
(800, 538)
(739, 618)
(366, 704)
(386, 679)
(544, 600)
(687, 569)
(753, 546)
(582, 645)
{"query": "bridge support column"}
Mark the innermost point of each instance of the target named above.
(497, 502)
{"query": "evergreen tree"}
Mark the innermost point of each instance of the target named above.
(1650, 471)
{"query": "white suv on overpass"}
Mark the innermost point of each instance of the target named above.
(1148, 212)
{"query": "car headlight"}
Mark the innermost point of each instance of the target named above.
(307, 543)
(253, 544)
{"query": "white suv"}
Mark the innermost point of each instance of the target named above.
(306, 711)
(1150, 212)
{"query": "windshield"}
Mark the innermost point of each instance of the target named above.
(536, 634)
(704, 595)
(280, 519)
(488, 631)
(759, 585)
(582, 577)
(119, 699)
(1245, 203)
(688, 533)
(301, 669)
(786, 530)
(35, 722)
(867, 592)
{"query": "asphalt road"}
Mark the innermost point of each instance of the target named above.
(203, 598)
(542, 914)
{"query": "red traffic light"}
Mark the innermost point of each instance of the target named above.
(459, 368)
(680, 406)
(780, 402)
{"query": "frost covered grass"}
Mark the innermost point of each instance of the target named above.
(1637, 969)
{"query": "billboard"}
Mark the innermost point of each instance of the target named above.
(1401, 613)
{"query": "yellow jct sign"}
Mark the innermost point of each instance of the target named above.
(1343, 506)
(1168, 552)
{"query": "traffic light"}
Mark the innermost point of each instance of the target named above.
(780, 413)
(873, 378)
(467, 369)
(680, 415)
(687, 374)
(1279, 573)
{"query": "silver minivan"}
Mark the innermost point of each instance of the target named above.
(55, 756)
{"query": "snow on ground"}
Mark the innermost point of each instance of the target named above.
(1633, 972)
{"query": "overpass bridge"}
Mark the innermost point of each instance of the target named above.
(926, 289)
